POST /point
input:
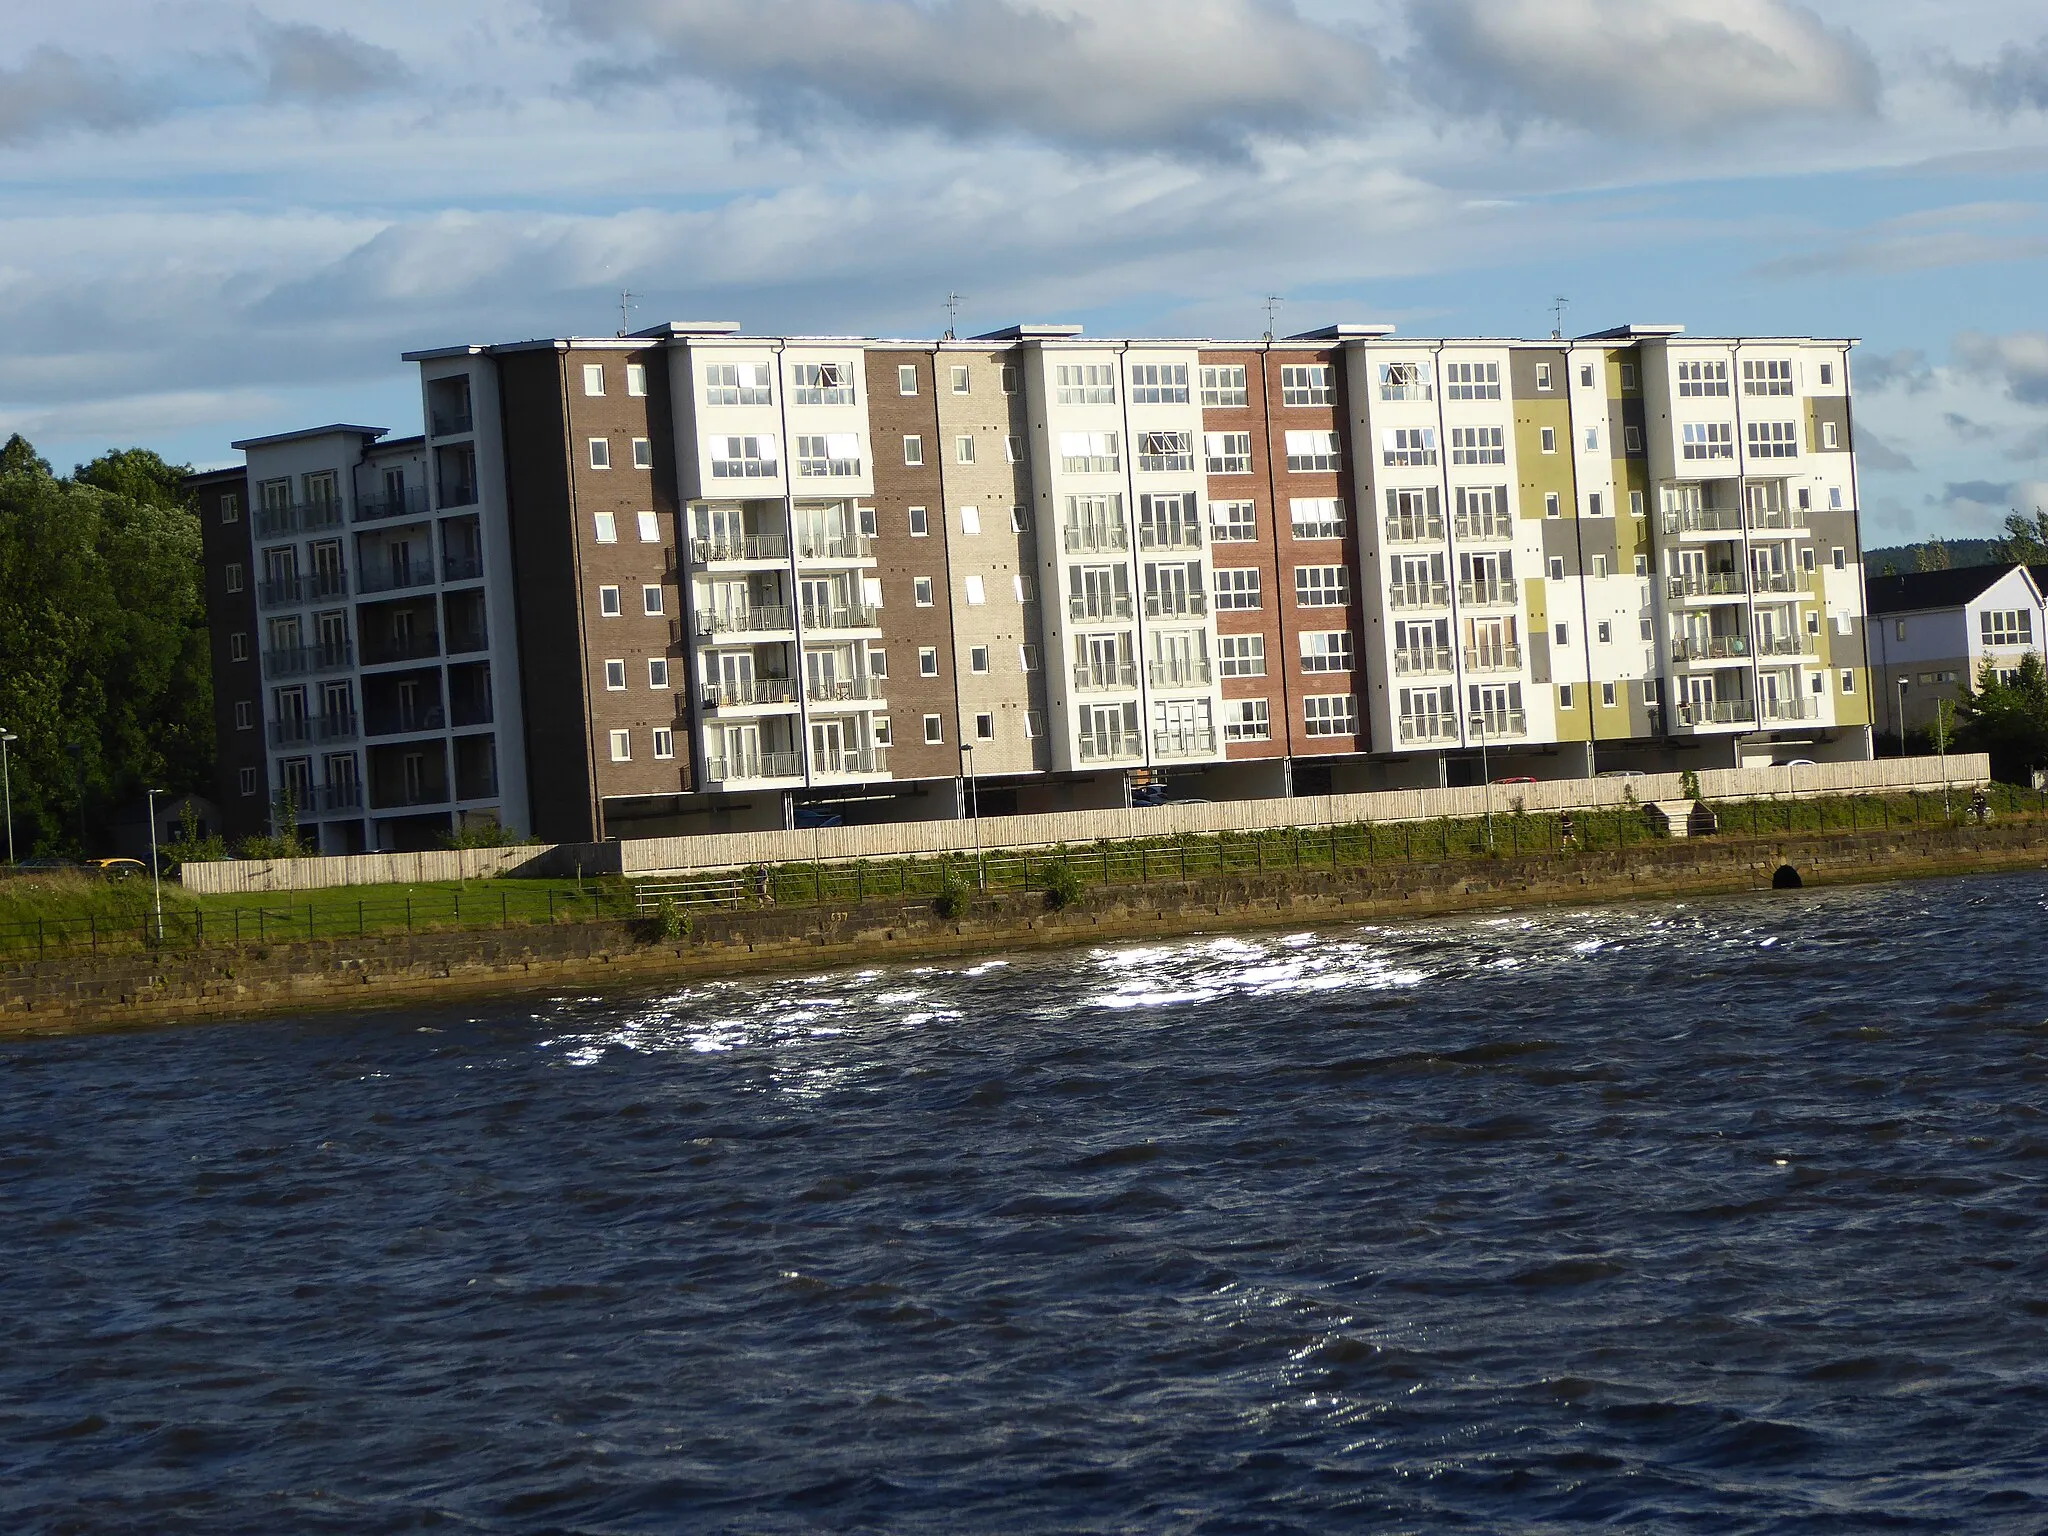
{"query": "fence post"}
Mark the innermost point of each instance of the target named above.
(1183, 863)
(39, 938)
(1144, 865)
(408, 911)
(818, 883)
(504, 908)
(309, 922)
(261, 920)
(551, 909)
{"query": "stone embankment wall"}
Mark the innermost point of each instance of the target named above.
(254, 981)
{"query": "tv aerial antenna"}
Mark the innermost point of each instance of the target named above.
(626, 308)
(1558, 306)
(1273, 303)
(953, 303)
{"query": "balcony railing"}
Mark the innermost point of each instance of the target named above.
(463, 641)
(298, 660)
(1428, 728)
(1502, 592)
(1192, 742)
(1180, 674)
(411, 502)
(1717, 712)
(1415, 530)
(1176, 605)
(1499, 724)
(386, 577)
(414, 647)
(840, 616)
(1489, 525)
(305, 729)
(462, 712)
(753, 546)
(1780, 581)
(1102, 747)
(461, 567)
(405, 722)
(1115, 605)
(847, 690)
(741, 695)
(1426, 662)
(1493, 658)
(458, 493)
(453, 423)
(1791, 709)
(1787, 645)
(409, 798)
(1709, 584)
(1703, 520)
(759, 765)
(297, 517)
(1713, 648)
(1090, 538)
(1169, 536)
(1788, 519)
(329, 798)
(306, 587)
(851, 760)
(1420, 594)
(749, 621)
(1090, 679)
(838, 546)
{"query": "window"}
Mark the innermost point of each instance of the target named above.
(1025, 586)
(913, 450)
(921, 591)
(885, 733)
(1653, 691)
(934, 730)
(622, 746)
(1020, 520)
(1553, 506)
(1321, 586)
(1084, 384)
(245, 715)
(822, 383)
(1841, 558)
(608, 602)
(1642, 565)
(1009, 378)
(1848, 681)
(1027, 658)
(664, 743)
(231, 576)
(1628, 375)
(1806, 559)
(927, 661)
(1319, 452)
(1770, 377)
(1329, 651)
(1330, 714)
(1305, 384)
(1159, 384)
(1593, 504)
(1165, 452)
(1557, 567)
(230, 508)
(977, 659)
(1237, 588)
(615, 675)
(1708, 440)
(984, 727)
(600, 453)
(1899, 630)
(1089, 453)
(1013, 449)
(643, 453)
(1242, 655)
(657, 672)
(1223, 386)
(248, 781)
(1406, 381)
(1592, 439)
(1585, 376)
(1233, 522)
(650, 602)
(1773, 439)
(1829, 437)
(1702, 379)
(1400, 446)
(878, 662)
(1835, 498)
(906, 379)
(1827, 373)
(1316, 517)
(1034, 724)
(649, 526)
(593, 378)
(1635, 503)
(1599, 565)
(1813, 623)
(1471, 381)
(1564, 695)
(743, 458)
(1607, 695)
(1227, 453)
(1632, 439)
(961, 384)
(1543, 376)
(1478, 445)
(970, 520)
(920, 523)
(977, 592)
(636, 380)
(831, 455)
(1604, 633)
(1247, 720)
(1549, 439)
(1562, 632)
(2011, 627)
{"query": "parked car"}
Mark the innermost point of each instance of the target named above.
(1623, 773)
(1799, 762)
(118, 869)
(1517, 778)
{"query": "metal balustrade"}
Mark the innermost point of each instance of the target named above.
(838, 546)
(1713, 648)
(1415, 530)
(386, 577)
(748, 622)
(753, 546)
(299, 660)
(301, 730)
(840, 616)
(411, 502)
(1094, 679)
(1425, 662)
(1709, 584)
(1423, 594)
(739, 695)
(1099, 747)
(762, 765)
(296, 517)
(1100, 606)
(844, 689)
(1177, 605)
(1715, 521)
(1716, 712)
(1428, 728)
(1194, 741)
(1499, 724)
(1493, 658)
(851, 760)
(1179, 674)
(1091, 538)
(1502, 592)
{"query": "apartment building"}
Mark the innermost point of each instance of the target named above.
(739, 581)
(1937, 632)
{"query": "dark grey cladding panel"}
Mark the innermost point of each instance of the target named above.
(1561, 537)
(1621, 415)
(1539, 657)
(1833, 530)
(1830, 408)
(1522, 363)
(1599, 536)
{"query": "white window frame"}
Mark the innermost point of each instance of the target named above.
(600, 452)
(657, 673)
(664, 743)
(1322, 586)
(615, 674)
(1239, 588)
(593, 381)
(622, 746)
(1241, 655)
(1329, 714)
(1227, 453)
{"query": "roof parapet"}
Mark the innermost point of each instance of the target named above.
(1344, 331)
(305, 432)
(1029, 331)
(669, 328)
(1653, 332)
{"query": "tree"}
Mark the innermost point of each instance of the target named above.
(2008, 718)
(1932, 556)
(2025, 541)
(18, 458)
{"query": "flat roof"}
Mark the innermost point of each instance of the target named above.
(333, 429)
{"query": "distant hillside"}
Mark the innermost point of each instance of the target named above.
(1906, 557)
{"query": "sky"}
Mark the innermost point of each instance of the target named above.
(219, 220)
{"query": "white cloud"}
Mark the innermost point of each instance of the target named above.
(2018, 362)
(2015, 81)
(303, 62)
(55, 91)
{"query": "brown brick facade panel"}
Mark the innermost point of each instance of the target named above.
(227, 547)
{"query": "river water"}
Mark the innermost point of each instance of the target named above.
(1715, 1217)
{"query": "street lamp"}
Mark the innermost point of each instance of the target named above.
(1485, 777)
(974, 815)
(7, 784)
(156, 869)
(1902, 717)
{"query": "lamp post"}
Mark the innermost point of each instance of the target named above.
(1485, 777)
(156, 868)
(974, 815)
(7, 785)
(1902, 717)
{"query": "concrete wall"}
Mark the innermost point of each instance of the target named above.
(251, 876)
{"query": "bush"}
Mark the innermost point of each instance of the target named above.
(952, 898)
(484, 834)
(671, 923)
(1689, 782)
(1063, 885)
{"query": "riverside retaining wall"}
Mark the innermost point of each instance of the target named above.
(253, 981)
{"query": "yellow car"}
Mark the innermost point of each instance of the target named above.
(118, 869)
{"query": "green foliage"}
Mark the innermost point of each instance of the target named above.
(2008, 719)
(951, 900)
(1063, 885)
(1689, 782)
(484, 834)
(670, 922)
(2025, 541)
(188, 847)
(104, 664)
(1933, 556)
(285, 840)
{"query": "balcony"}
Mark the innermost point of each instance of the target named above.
(1709, 584)
(300, 660)
(395, 577)
(1777, 710)
(462, 567)
(1415, 530)
(1493, 658)
(1169, 536)
(471, 711)
(414, 647)
(1092, 679)
(1709, 522)
(463, 641)
(1788, 645)
(1503, 592)
(750, 694)
(845, 690)
(1196, 741)
(757, 546)
(1422, 663)
(840, 616)
(1713, 648)
(1176, 605)
(1496, 526)
(411, 502)
(305, 730)
(1419, 594)
(760, 765)
(1093, 538)
(1103, 747)
(1499, 724)
(326, 799)
(1179, 674)
(1781, 581)
(405, 722)
(850, 762)
(297, 517)
(1778, 519)
(752, 621)
(1425, 728)
(1100, 606)
(309, 587)
(1717, 712)
(838, 546)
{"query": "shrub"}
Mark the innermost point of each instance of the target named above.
(670, 921)
(1689, 781)
(951, 900)
(1063, 885)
